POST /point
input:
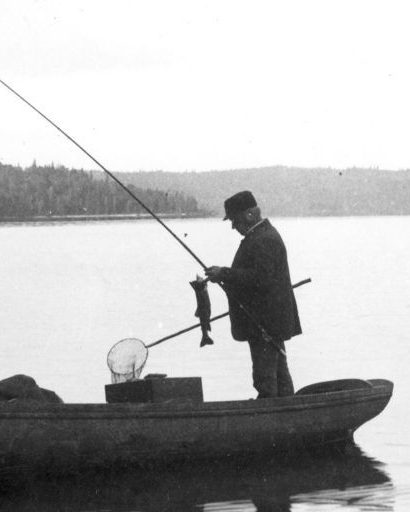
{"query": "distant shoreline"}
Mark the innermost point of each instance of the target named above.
(147, 216)
(99, 217)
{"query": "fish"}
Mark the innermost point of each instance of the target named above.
(203, 310)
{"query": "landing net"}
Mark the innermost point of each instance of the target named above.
(126, 360)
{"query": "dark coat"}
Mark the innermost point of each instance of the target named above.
(259, 279)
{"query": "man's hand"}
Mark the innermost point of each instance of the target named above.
(214, 274)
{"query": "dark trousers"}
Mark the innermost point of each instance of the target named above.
(271, 377)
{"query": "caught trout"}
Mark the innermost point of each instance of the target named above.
(203, 310)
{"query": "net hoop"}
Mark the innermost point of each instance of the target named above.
(126, 360)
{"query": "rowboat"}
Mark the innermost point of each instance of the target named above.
(62, 436)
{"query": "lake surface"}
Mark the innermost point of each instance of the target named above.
(70, 291)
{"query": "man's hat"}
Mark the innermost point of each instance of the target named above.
(239, 203)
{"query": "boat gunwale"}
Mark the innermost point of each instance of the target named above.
(191, 409)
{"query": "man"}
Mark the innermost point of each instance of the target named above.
(262, 306)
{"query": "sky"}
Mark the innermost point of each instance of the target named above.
(198, 85)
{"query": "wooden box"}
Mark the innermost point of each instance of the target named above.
(155, 390)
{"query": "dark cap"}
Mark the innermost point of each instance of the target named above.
(239, 203)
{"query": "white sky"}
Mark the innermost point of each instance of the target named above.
(197, 85)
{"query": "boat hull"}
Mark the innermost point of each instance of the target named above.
(69, 435)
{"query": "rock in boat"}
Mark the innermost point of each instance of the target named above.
(64, 436)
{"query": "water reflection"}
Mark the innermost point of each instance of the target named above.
(335, 478)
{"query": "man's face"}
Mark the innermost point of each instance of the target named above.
(239, 223)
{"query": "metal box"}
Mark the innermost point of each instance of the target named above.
(155, 390)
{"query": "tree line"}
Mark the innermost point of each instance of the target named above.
(56, 190)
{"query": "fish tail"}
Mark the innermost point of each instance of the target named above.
(206, 340)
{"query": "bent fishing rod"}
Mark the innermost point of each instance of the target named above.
(124, 187)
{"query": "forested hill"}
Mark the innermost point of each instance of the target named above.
(281, 191)
(57, 191)
(289, 191)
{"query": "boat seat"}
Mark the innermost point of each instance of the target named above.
(331, 386)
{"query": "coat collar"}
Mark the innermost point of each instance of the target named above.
(255, 227)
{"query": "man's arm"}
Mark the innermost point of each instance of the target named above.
(259, 272)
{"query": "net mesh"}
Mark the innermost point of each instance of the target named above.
(126, 360)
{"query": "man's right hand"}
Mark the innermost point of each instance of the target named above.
(214, 274)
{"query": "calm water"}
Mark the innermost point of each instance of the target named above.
(70, 291)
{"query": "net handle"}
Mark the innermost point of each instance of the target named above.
(175, 334)
(187, 329)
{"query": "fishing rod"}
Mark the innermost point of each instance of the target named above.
(265, 335)
(110, 174)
